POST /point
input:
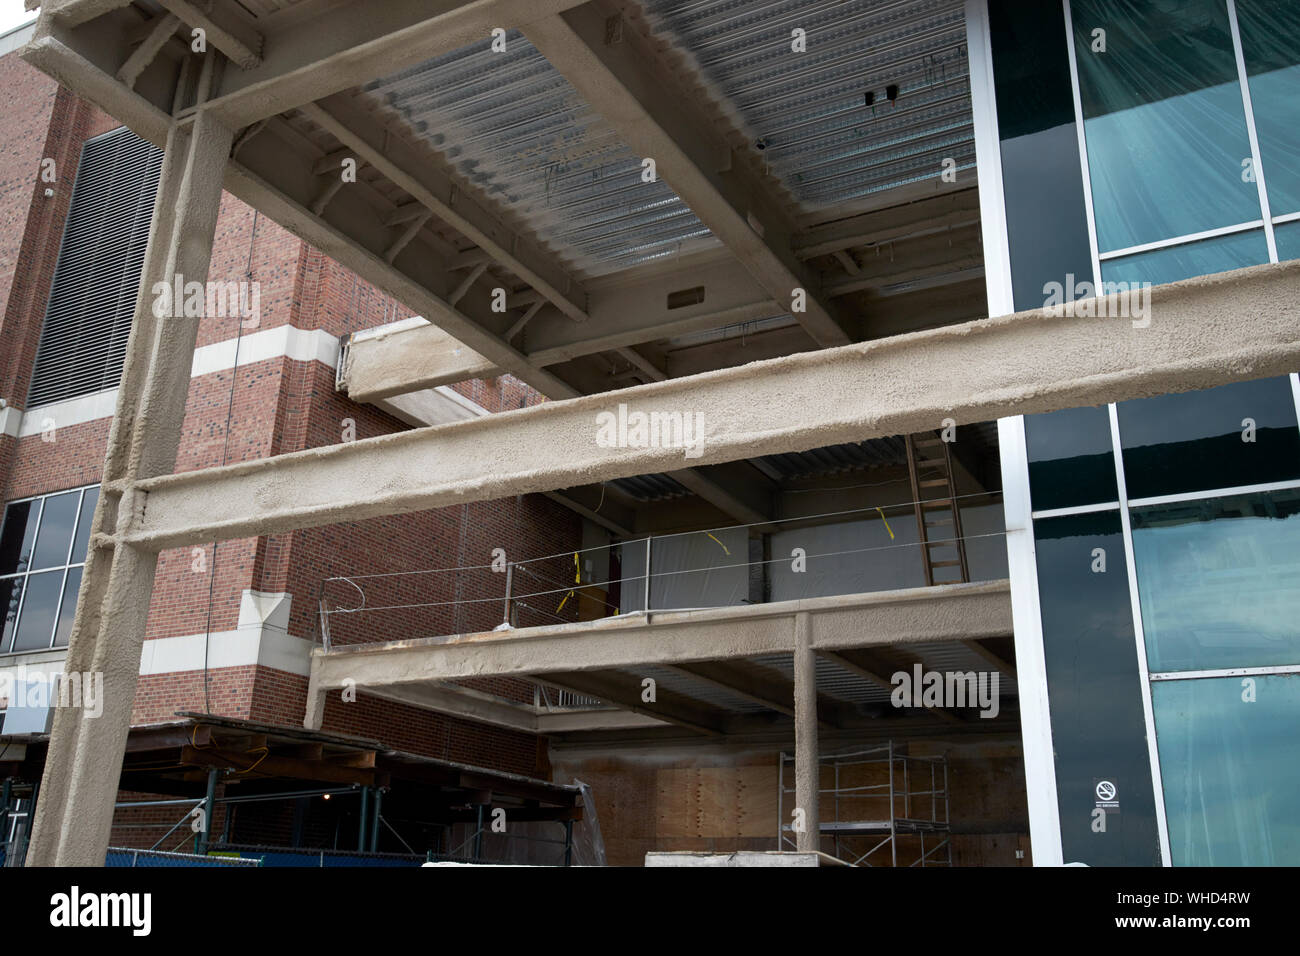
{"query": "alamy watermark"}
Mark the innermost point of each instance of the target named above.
(1132, 300)
(627, 429)
(195, 300)
(23, 688)
(950, 690)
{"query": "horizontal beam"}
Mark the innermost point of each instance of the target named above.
(376, 367)
(1199, 333)
(942, 613)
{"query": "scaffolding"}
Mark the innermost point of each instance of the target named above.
(873, 812)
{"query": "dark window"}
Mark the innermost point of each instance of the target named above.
(1094, 691)
(1199, 441)
(1071, 458)
(1040, 149)
(92, 298)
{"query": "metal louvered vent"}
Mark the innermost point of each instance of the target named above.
(92, 298)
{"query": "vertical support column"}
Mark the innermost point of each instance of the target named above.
(375, 804)
(73, 820)
(363, 819)
(568, 843)
(806, 765)
(315, 713)
(209, 807)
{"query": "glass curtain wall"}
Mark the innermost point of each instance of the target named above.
(1191, 123)
(1168, 547)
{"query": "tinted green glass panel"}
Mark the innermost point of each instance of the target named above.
(1094, 691)
(41, 604)
(1194, 441)
(1287, 237)
(1270, 43)
(1070, 458)
(1229, 769)
(1219, 581)
(17, 535)
(1164, 120)
(58, 516)
(1203, 258)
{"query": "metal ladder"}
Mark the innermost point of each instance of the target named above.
(938, 518)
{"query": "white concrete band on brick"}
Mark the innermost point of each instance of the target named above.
(10, 420)
(436, 406)
(260, 637)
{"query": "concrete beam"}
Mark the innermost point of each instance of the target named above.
(75, 812)
(645, 104)
(807, 763)
(1202, 332)
(940, 613)
(407, 359)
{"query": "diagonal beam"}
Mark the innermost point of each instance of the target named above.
(641, 101)
(161, 30)
(227, 29)
(311, 54)
(402, 165)
(977, 371)
(625, 690)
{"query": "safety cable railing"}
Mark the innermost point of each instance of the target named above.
(679, 571)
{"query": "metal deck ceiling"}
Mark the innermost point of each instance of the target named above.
(512, 125)
(835, 459)
(806, 113)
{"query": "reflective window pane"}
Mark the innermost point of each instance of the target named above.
(1219, 581)
(1287, 237)
(11, 592)
(1040, 149)
(1270, 42)
(17, 535)
(1203, 258)
(55, 534)
(1094, 691)
(68, 609)
(41, 604)
(1164, 120)
(84, 522)
(1228, 764)
(1071, 461)
(1226, 437)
